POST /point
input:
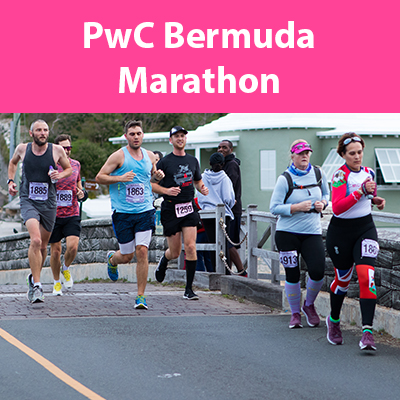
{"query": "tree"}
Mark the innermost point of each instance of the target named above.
(91, 156)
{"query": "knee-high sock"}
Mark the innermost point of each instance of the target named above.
(190, 272)
(313, 288)
(336, 305)
(293, 294)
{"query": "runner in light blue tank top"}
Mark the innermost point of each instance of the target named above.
(136, 196)
(130, 172)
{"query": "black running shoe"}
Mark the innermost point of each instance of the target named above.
(161, 269)
(190, 295)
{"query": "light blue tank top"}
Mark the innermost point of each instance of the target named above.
(136, 196)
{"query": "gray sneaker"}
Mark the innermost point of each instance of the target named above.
(38, 296)
(30, 287)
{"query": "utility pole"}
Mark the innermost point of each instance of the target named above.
(15, 138)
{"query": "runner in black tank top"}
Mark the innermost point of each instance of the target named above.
(37, 196)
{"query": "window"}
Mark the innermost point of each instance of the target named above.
(387, 166)
(268, 169)
(332, 162)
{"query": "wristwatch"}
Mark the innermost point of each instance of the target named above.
(10, 180)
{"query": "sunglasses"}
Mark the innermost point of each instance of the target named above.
(351, 139)
(68, 148)
(300, 147)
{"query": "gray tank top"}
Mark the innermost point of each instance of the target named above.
(35, 182)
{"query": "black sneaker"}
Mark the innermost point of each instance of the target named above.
(190, 295)
(161, 269)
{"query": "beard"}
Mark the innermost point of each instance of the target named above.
(134, 146)
(38, 141)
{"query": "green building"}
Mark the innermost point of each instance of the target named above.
(262, 141)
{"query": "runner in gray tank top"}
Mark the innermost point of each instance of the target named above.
(38, 196)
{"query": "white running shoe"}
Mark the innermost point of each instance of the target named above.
(57, 289)
(68, 281)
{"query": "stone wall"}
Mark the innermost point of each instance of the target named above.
(97, 238)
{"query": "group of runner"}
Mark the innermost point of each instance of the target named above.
(300, 194)
(50, 178)
(51, 187)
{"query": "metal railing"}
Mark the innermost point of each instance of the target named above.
(253, 250)
(219, 245)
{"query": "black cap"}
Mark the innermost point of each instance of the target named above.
(177, 129)
(217, 158)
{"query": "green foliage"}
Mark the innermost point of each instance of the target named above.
(90, 132)
(4, 150)
(91, 156)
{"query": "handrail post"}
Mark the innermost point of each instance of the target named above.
(274, 263)
(219, 239)
(252, 242)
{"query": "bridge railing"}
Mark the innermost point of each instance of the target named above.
(252, 249)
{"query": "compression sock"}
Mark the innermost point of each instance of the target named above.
(293, 294)
(336, 305)
(313, 288)
(367, 311)
(190, 271)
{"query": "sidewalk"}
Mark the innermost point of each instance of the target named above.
(118, 299)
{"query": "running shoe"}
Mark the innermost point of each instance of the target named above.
(37, 296)
(161, 269)
(311, 315)
(190, 295)
(295, 321)
(68, 281)
(243, 273)
(334, 334)
(112, 269)
(140, 302)
(30, 287)
(57, 289)
(367, 341)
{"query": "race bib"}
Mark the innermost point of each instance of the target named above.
(38, 191)
(64, 198)
(183, 209)
(369, 248)
(135, 193)
(288, 259)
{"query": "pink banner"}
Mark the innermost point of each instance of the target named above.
(209, 56)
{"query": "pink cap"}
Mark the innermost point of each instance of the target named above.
(300, 147)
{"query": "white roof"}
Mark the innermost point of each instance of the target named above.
(337, 123)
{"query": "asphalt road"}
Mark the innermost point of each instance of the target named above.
(216, 348)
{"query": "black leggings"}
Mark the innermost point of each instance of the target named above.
(345, 238)
(311, 248)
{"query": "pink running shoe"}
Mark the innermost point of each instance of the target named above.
(311, 315)
(367, 341)
(295, 321)
(334, 334)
